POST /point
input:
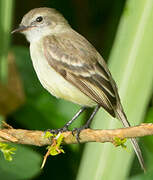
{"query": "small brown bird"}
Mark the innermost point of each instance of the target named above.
(69, 67)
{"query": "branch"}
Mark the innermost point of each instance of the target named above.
(36, 138)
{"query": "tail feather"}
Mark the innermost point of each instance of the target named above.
(121, 115)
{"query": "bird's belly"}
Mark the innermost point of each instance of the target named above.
(55, 83)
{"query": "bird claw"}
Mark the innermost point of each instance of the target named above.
(77, 132)
(57, 131)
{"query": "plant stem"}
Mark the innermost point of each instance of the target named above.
(6, 8)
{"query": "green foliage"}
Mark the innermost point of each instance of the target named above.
(7, 151)
(25, 160)
(144, 176)
(131, 62)
(5, 24)
(55, 148)
(120, 142)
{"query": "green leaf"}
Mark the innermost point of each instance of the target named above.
(7, 151)
(25, 160)
(55, 148)
(149, 168)
(131, 64)
(6, 9)
(120, 142)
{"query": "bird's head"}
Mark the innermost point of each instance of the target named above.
(40, 22)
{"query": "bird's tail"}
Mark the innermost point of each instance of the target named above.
(121, 115)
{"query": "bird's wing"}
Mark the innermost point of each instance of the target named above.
(81, 65)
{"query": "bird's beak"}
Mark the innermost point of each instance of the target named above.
(22, 28)
(19, 29)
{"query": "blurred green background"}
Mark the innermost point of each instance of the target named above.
(122, 31)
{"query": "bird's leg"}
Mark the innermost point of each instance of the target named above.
(65, 127)
(78, 130)
(74, 118)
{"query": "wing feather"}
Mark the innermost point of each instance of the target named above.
(80, 64)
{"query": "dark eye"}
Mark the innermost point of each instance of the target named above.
(39, 19)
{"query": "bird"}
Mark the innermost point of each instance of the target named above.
(69, 67)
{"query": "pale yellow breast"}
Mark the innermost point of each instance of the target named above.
(54, 82)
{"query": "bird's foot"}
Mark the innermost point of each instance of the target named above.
(76, 132)
(57, 131)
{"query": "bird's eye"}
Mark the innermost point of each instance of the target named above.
(39, 19)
